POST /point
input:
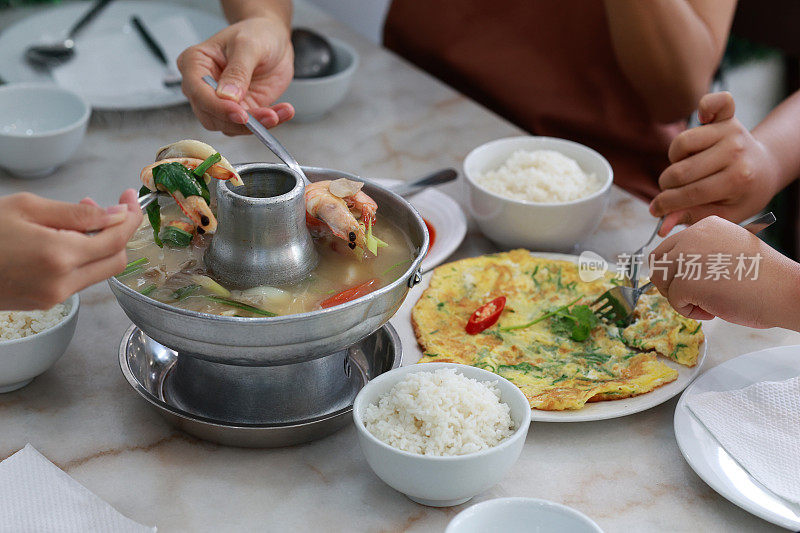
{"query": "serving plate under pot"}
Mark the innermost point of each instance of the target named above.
(287, 339)
(268, 412)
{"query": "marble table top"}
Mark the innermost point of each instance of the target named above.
(627, 473)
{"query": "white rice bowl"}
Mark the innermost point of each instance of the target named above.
(19, 324)
(545, 176)
(440, 413)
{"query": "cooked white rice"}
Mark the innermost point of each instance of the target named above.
(440, 413)
(539, 176)
(18, 324)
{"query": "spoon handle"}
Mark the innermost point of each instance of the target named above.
(758, 222)
(263, 135)
(434, 178)
(147, 199)
(87, 18)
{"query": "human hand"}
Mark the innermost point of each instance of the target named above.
(45, 254)
(252, 61)
(719, 168)
(762, 298)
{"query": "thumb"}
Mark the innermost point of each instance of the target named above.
(697, 313)
(242, 57)
(716, 107)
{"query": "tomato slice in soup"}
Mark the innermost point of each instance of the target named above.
(351, 294)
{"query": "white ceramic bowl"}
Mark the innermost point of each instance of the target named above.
(521, 515)
(447, 480)
(41, 126)
(312, 98)
(557, 227)
(23, 359)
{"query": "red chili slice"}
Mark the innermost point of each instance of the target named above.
(352, 293)
(486, 316)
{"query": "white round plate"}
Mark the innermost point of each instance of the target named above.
(446, 217)
(112, 68)
(592, 411)
(710, 461)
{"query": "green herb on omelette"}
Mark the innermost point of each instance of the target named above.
(576, 323)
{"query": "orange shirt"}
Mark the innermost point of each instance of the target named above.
(546, 65)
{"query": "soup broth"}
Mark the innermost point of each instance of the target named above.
(178, 276)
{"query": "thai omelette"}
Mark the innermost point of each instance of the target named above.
(527, 319)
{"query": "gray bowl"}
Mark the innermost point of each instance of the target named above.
(287, 339)
(313, 98)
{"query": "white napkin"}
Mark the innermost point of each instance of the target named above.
(759, 426)
(118, 64)
(37, 496)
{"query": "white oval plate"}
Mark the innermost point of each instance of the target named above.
(592, 411)
(446, 217)
(710, 460)
(131, 76)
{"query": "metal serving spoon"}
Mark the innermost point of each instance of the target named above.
(434, 178)
(262, 134)
(49, 54)
(313, 54)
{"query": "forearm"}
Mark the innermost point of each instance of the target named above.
(669, 49)
(236, 10)
(780, 135)
(787, 313)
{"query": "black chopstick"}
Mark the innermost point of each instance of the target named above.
(148, 39)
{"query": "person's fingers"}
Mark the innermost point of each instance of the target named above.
(284, 110)
(699, 314)
(213, 123)
(266, 116)
(130, 197)
(670, 221)
(89, 201)
(661, 264)
(273, 115)
(243, 55)
(97, 271)
(81, 217)
(694, 140)
(688, 309)
(84, 249)
(709, 190)
(716, 107)
(194, 63)
(695, 167)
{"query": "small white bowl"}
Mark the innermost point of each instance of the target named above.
(521, 515)
(23, 359)
(441, 481)
(41, 126)
(312, 98)
(557, 227)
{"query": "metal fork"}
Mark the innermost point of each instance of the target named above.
(633, 267)
(617, 304)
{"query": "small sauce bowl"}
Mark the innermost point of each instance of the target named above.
(521, 515)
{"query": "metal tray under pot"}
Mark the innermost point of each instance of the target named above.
(172, 386)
